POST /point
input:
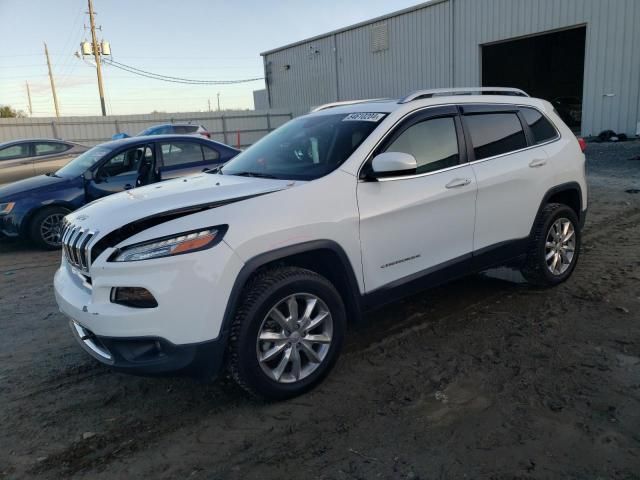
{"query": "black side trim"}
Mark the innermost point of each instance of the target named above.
(137, 226)
(412, 284)
(563, 187)
(503, 253)
(352, 296)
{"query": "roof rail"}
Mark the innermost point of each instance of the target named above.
(440, 92)
(345, 102)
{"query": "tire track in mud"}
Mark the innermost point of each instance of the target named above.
(340, 390)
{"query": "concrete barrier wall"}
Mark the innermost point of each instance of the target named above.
(226, 127)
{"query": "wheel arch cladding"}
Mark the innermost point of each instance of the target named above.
(569, 194)
(324, 257)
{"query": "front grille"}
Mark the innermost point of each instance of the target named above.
(76, 245)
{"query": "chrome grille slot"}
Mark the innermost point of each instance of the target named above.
(76, 244)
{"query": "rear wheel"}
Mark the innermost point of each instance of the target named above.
(287, 333)
(555, 246)
(46, 227)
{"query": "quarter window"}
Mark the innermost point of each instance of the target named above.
(541, 128)
(179, 153)
(210, 155)
(495, 134)
(433, 143)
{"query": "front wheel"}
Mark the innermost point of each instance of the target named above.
(554, 247)
(287, 333)
(46, 227)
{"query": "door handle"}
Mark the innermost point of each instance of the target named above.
(458, 182)
(538, 162)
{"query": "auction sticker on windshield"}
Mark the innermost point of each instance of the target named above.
(364, 117)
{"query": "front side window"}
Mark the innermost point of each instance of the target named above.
(433, 143)
(125, 163)
(50, 148)
(305, 148)
(495, 134)
(14, 151)
(179, 153)
(541, 128)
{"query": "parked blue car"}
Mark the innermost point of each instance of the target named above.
(34, 208)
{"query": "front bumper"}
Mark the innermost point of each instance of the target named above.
(192, 292)
(152, 355)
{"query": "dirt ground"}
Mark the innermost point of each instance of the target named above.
(482, 378)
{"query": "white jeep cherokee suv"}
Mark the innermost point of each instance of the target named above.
(259, 266)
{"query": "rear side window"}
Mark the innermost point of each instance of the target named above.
(495, 134)
(14, 151)
(433, 143)
(50, 148)
(541, 128)
(179, 153)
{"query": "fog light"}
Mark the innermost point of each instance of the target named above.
(135, 297)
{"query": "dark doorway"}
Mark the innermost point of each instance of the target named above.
(549, 66)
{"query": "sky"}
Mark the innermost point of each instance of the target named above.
(199, 39)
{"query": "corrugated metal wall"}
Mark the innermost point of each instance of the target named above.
(439, 45)
(224, 127)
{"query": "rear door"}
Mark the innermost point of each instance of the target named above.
(16, 162)
(511, 172)
(419, 223)
(182, 157)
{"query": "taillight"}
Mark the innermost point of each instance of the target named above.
(206, 134)
(583, 144)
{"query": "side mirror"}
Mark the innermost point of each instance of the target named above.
(390, 163)
(88, 175)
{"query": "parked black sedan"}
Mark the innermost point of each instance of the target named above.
(34, 208)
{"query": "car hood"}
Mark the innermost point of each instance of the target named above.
(115, 211)
(41, 182)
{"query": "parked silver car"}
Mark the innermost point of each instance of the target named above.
(25, 158)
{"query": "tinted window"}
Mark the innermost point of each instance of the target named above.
(307, 147)
(178, 153)
(541, 128)
(126, 162)
(50, 148)
(210, 154)
(433, 143)
(495, 133)
(182, 129)
(14, 151)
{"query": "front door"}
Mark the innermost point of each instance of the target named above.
(125, 170)
(16, 163)
(415, 224)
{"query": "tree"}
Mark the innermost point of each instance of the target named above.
(7, 112)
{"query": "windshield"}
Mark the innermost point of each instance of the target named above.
(82, 163)
(305, 148)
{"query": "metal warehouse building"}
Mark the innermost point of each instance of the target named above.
(583, 55)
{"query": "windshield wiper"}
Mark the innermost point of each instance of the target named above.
(253, 174)
(52, 174)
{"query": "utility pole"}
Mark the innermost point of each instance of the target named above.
(53, 85)
(218, 95)
(96, 54)
(209, 103)
(29, 98)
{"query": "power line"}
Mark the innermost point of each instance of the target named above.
(167, 78)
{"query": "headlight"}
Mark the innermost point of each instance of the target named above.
(5, 208)
(168, 246)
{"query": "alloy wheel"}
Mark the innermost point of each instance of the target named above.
(294, 338)
(560, 246)
(51, 229)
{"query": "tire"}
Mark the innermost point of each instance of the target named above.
(41, 225)
(543, 272)
(272, 290)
